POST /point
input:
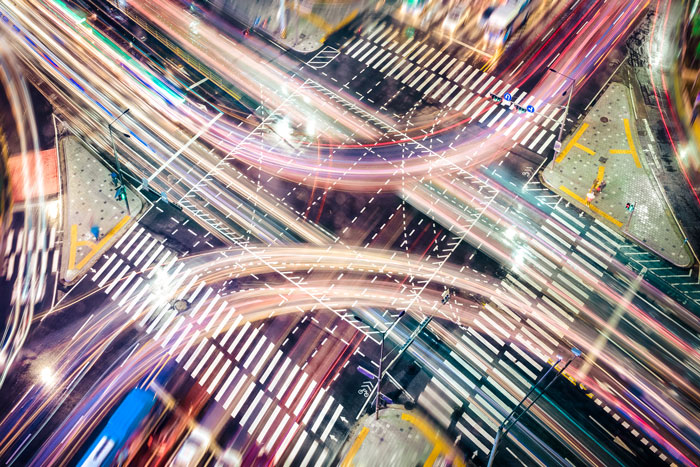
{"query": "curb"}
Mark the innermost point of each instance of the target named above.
(660, 188)
(627, 235)
(632, 88)
(145, 203)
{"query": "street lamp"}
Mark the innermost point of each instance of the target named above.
(120, 188)
(381, 357)
(505, 426)
(557, 145)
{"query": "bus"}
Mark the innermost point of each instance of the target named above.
(503, 20)
(121, 425)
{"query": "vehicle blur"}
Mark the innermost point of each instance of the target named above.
(113, 444)
(456, 17)
(502, 21)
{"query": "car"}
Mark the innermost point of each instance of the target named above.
(193, 449)
(456, 17)
(413, 7)
(484, 18)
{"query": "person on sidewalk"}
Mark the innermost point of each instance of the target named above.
(590, 196)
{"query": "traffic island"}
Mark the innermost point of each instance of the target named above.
(93, 218)
(604, 170)
(398, 438)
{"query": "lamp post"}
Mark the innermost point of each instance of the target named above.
(557, 145)
(381, 357)
(120, 188)
(505, 426)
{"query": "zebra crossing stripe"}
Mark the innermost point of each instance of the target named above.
(375, 56)
(425, 55)
(372, 49)
(486, 83)
(376, 31)
(529, 135)
(454, 99)
(477, 81)
(478, 111)
(393, 59)
(435, 83)
(359, 51)
(417, 52)
(420, 76)
(497, 117)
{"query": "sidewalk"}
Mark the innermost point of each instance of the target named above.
(305, 24)
(606, 147)
(398, 438)
(88, 203)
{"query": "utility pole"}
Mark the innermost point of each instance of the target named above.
(557, 145)
(121, 189)
(381, 358)
(445, 298)
(511, 419)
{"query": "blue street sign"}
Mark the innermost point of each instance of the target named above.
(508, 97)
(530, 109)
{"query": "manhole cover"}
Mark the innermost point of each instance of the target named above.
(604, 119)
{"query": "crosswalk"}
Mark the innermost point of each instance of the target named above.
(324, 56)
(457, 85)
(593, 233)
(280, 406)
(511, 346)
(263, 390)
(118, 270)
(496, 361)
(43, 262)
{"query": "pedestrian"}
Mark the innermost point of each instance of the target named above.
(590, 196)
(603, 184)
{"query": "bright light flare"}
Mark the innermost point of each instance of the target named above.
(47, 376)
(518, 258)
(52, 209)
(511, 233)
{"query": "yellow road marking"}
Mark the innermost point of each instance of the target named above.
(592, 207)
(599, 178)
(632, 150)
(312, 18)
(340, 25)
(347, 462)
(439, 445)
(94, 247)
(601, 171)
(574, 143)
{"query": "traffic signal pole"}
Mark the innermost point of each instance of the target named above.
(557, 145)
(121, 188)
(512, 419)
